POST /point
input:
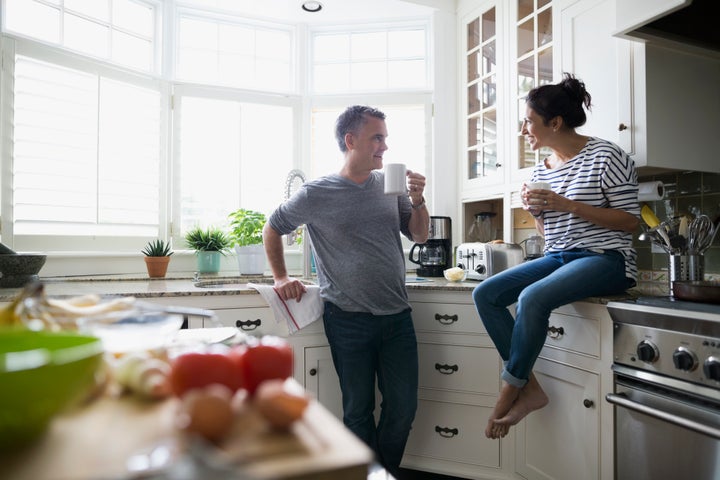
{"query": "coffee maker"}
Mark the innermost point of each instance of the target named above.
(435, 255)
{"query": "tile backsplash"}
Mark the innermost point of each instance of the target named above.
(691, 193)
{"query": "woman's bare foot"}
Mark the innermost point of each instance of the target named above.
(531, 398)
(503, 406)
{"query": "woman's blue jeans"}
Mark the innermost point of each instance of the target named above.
(539, 286)
(366, 346)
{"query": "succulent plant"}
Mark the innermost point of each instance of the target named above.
(157, 248)
(211, 239)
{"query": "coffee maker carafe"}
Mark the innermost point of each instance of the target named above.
(435, 255)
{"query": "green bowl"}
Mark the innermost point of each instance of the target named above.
(42, 373)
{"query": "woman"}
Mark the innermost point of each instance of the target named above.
(587, 217)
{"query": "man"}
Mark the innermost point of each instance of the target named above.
(355, 230)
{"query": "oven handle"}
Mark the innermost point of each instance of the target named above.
(622, 401)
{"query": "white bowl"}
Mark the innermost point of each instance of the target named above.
(455, 274)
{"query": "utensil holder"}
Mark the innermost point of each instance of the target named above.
(685, 268)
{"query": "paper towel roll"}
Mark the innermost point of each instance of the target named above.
(649, 191)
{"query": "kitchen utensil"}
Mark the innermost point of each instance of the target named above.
(700, 234)
(533, 247)
(42, 373)
(482, 260)
(649, 216)
(697, 291)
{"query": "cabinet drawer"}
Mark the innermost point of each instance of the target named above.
(574, 334)
(453, 432)
(446, 318)
(459, 368)
(257, 321)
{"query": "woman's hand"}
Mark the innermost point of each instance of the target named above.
(538, 200)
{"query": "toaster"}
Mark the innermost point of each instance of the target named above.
(482, 260)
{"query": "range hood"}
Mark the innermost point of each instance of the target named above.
(689, 23)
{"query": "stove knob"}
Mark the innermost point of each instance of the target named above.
(684, 359)
(647, 351)
(711, 367)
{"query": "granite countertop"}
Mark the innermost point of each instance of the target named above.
(181, 284)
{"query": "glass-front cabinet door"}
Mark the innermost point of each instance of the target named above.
(482, 82)
(532, 50)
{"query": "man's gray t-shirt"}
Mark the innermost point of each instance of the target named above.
(355, 231)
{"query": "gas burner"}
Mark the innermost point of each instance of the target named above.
(672, 303)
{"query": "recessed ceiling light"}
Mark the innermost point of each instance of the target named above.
(312, 6)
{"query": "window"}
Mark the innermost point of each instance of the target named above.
(534, 65)
(354, 61)
(220, 52)
(231, 154)
(86, 155)
(121, 31)
(406, 140)
(104, 149)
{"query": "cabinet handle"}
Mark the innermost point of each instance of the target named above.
(498, 165)
(555, 332)
(446, 319)
(313, 372)
(446, 432)
(248, 325)
(622, 127)
(587, 403)
(446, 369)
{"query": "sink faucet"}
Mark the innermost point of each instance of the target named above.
(291, 238)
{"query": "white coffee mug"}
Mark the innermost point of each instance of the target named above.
(395, 181)
(538, 186)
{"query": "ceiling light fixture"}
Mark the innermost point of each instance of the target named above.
(312, 7)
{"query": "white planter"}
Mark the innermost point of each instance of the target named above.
(251, 259)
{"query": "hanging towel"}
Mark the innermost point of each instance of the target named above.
(297, 314)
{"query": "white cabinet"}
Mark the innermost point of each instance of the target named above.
(659, 104)
(458, 384)
(572, 437)
(633, 14)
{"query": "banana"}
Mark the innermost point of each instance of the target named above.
(649, 216)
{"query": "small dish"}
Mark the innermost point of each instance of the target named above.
(455, 274)
(132, 330)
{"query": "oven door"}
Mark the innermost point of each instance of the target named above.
(663, 433)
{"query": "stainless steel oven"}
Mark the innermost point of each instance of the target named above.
(667, 389)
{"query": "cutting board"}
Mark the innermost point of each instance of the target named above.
(96, 441)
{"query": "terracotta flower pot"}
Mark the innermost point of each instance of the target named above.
(157, 266)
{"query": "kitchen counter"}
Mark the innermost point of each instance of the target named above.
(182, 285)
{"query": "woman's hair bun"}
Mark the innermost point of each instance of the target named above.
(575, 88)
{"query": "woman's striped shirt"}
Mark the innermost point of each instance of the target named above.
(601, 175)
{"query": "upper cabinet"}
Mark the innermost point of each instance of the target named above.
(482, 77)
(634, 14)
(660, 104)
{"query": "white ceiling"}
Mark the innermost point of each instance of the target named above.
(336, 11)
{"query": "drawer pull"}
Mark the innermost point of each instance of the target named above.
(555, 332)
(248, 325)
(446, 369)
(446, 432)
(313, 372)
(446, 319)
(587, 403)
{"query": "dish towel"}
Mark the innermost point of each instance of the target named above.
(297, 314)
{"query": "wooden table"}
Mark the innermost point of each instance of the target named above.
(96, 441)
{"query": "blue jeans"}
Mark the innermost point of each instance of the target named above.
(539, 286)
(364, 346)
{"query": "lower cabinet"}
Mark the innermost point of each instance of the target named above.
(459, 381)
(561, 441)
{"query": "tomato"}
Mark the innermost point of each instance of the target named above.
(270, 358)
(200, 369)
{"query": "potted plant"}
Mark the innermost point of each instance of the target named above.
(246, 228)
(209, 245)
(157, 257)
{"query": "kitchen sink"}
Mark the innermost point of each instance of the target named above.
(237, 283)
